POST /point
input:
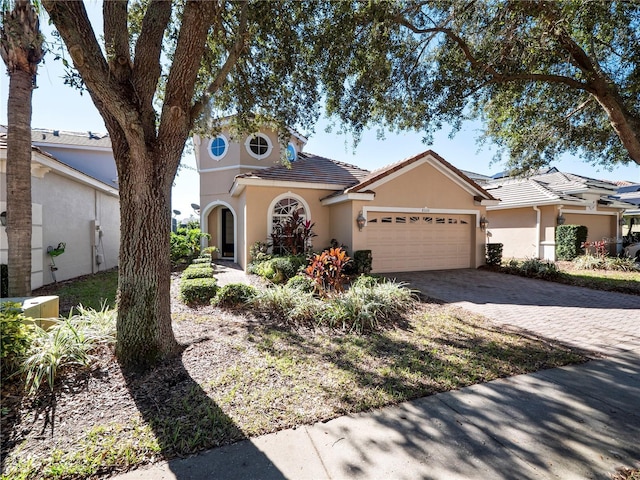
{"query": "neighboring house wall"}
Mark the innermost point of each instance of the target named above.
(68, 206)
(516, 230)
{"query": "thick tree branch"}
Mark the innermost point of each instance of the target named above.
(116, 39)
(147, 68)
(485, 68)
(232, 58)
(71, 20)
(175, 120)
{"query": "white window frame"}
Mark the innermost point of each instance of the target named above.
(275, 201)
(217, 158)
(247, 145)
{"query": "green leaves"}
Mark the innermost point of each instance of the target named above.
(546, 78)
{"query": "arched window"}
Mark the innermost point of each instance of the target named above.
(290, 229)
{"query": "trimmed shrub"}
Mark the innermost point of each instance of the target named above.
(198, 291)
(199, 272)
(194, 266)
(15, 337)
(201, 260)
(494, 254)
(301, 282)
(233, 295)
(362, 261)
(569, 239)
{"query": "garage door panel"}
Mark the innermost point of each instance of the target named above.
(402, 242)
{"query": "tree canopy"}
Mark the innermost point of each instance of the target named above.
(545, 77)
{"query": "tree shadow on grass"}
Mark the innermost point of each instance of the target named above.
(186, 421)
(505, 429)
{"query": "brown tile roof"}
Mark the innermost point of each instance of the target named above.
(394, 167)
(311, 168)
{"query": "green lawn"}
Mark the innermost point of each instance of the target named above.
(624, 282)
(90, 290)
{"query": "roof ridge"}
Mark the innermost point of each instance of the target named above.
(544, 190)
(309, 155)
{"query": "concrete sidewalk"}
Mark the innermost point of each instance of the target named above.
(575, 422)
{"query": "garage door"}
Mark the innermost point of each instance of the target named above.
(402, 242)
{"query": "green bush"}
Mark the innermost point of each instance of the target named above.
(4, 280)
(287, 304)
(233, 295)
(201, 260)
(367, 307)
(198, 291)
(367, 281)
(363, 261)
(15, 338)
(70, 342)
(259, 252)
(185, 243)
(533, 267)
(569, 239)
(597, 262)
(198, 272)
(278, 269)
(301, 282)
(494, 254)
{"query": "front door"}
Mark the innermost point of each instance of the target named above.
(227, 233)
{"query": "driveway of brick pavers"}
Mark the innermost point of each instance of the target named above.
(605, 322)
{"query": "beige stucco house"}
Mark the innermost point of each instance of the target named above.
(75, 201)
(525, 220)
(420, 213)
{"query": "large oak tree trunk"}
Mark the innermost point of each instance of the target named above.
(19, 182)
(144, 333)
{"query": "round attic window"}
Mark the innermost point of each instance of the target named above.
(259, 146)
(218, 147)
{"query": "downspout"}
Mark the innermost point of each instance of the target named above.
(537, 210)
(618, 234)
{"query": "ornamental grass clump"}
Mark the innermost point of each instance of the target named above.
(290, 305)
(69, 342)
(368, 305)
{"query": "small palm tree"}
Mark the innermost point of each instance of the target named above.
(21, 48)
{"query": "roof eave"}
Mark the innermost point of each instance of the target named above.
(347, 197)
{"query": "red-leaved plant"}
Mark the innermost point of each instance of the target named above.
(600, 247)
(325, 269)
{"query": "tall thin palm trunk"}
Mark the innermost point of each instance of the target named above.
(21, 49)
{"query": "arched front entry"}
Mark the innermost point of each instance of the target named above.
(220, 221)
